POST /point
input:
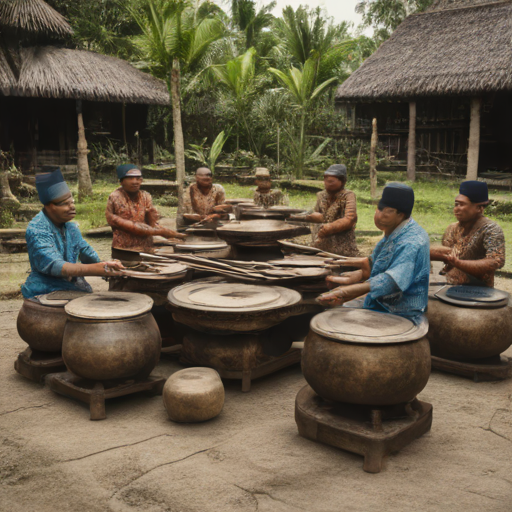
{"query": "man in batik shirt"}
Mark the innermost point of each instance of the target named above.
(203, 201)
(131, 214)
(474, 247)
(336, 210)
(395, 278)
(264, 195)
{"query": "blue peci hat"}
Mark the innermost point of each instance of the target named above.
(127, 170)
(475, 191)
(51, 186)
(398, 196)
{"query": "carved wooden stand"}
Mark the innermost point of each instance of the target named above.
(482, 370)
(35, 365)
(247, 374)
(95, 393)
(371, 432)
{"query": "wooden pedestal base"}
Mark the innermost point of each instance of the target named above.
(371, 432)
(35, 365)
(246, 375)
(482, 370)
(95, 393)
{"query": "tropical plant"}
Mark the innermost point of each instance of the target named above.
(385, 15)
(249, 21)
(238, 79)
(207, 156)
(300, 85)
(175, 37)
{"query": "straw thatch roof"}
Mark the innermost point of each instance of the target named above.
(457, 4)
(50, 72)
(34, 16)
(461, 51)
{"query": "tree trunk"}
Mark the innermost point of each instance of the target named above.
(278, 149)
(84, 177)
(300, 170)
(179, 143)
(474, 139)
(411, 151)
(125, 143)
(6, 196)
(373, 160)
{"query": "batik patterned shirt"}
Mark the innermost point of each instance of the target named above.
(336, 208)
(49, 248)
(485, 241)
(121, 206)
(195, 201)
(400, 272)
(271, 198)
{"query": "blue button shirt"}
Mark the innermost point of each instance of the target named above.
(400, 272)
(49, 247)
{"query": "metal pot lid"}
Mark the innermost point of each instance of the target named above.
(238, 200)
(109, 305)
(232, 297)
(268, 229)
(60, 298)
(202, 245)
(477, 297)
(366, 326)
(287, 209)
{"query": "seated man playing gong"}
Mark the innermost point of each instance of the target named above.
(55, 244)
(264, 195)
(474, 247)
(203, 201)
(131, 214)
(395, 277)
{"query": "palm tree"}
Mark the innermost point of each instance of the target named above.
(176, 35)
(238, 78)
(300, 85)
(250, 22)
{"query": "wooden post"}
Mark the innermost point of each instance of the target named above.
(82, 165)
(474, 139)
(373, 160)
(411, 150)
(124, 125)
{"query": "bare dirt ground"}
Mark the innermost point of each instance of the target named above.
(250, 458)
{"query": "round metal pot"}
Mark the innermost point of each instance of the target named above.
(41, 327)
(112, 349)
(468, 333)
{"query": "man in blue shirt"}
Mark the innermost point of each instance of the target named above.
(55, 244)
(395, 277)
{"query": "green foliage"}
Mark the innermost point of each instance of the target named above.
(207, 156)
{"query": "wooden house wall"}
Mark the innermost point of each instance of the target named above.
(45, 131)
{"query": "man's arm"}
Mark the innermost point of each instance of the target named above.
(348, 221)
(136, 228)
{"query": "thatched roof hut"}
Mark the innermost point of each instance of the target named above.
(34, 16)
(50, 72)
(444, 77)
(448, 50)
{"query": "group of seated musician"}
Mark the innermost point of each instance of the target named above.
(393, 279)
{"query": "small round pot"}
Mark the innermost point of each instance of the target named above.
(41, 327)
(366, 374)
(468, 333)
(112, 349)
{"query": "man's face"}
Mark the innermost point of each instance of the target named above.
(204, 177)
(61, 210)
(263, 183)
(465, 210)
(388, 219)
(333, 184)
(131, 184)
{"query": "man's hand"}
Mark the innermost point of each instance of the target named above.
(152, 216)
(223, 208)
(213, 217)
(345, 279)
(343, 294)
(169, 233)
(326, 230)
(440, 253)
(361, 263)
(194, 217)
